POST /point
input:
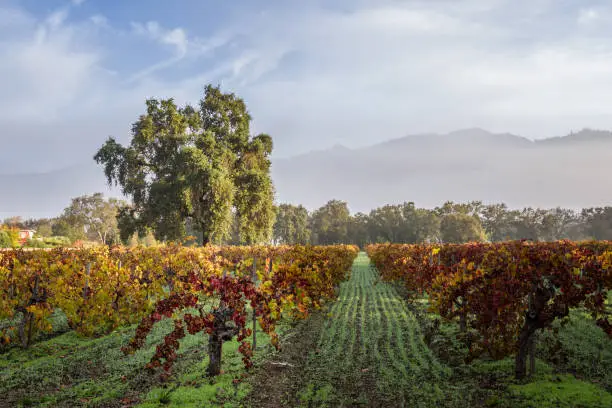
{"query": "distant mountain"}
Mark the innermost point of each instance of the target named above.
(473, 164)
(585, 135)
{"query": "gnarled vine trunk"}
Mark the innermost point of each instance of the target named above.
(215, 349)
(220, 334)
(534, 320)
(525, 343)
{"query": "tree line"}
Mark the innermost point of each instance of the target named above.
(93, 218)
(449, 223)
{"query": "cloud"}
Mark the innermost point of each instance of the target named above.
(184, 46)
(587, 16)
(15, 19)
(175, 37)
(387, 70)
(99, 20)
(55, 20)
(313, 75)
(43, 73)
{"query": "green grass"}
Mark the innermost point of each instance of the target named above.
(69, 370)
(580, 347)
(193, 389)
(371, 351)
(547, 389)
(559, 391)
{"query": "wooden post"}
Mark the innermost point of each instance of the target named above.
(254, 278)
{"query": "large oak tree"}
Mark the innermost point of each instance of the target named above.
(199, 164)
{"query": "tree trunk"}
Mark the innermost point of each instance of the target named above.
(215, 348)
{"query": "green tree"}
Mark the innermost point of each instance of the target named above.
(558, 223)
(43, 226)
(9, 237)
(291, 226)
(527, 223)
(598, 222)
(254, 201)
(201, 165)
(359, 230)
(91, 217)
(329, 224)
(133, 241)
(387, 224)
(497, 222)
(62, 228)
(470, 208)
(149, 239)
(460, 227)
(427, 225)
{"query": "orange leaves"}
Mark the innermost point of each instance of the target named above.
(299, 275)
(100, 289)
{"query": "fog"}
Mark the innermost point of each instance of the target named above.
(428, 169)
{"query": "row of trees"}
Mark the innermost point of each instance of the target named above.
(94, 218)
(451, 223)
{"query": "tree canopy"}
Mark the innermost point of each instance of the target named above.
(90, 218)
(194, 164)
(291, 225)
(330, 223)
(460, 227)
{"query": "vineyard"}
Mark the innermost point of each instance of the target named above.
(209, 290)
(422, 325)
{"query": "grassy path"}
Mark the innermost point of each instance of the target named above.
(371, 351)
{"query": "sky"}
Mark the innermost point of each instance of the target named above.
(314, 74)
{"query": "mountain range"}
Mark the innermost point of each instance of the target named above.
(572, 171)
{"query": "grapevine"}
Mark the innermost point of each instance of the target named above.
(504, 292)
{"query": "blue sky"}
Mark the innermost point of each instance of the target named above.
(313, 73)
